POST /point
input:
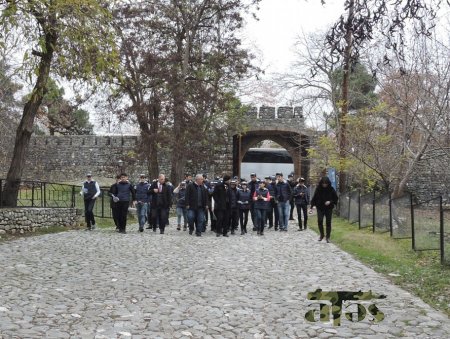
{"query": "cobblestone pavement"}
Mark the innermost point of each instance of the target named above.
(102, 284)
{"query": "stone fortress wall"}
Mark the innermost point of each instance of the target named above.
(68, 158)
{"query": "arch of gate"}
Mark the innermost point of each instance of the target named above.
(285, 126)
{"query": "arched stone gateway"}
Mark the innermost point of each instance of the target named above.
(285, 126)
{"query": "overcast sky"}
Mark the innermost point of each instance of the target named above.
(281, 21)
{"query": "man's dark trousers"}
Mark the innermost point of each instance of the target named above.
(122, 212)
(160, 218)
(88, 212)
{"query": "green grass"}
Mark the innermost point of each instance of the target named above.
(419, 272)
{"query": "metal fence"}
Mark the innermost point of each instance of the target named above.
(37, 194)
(366, 210)
(427, 223)
(353, 209)
(382, 212)
(445, 236)
(401, 217)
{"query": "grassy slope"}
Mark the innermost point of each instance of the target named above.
(420, 273)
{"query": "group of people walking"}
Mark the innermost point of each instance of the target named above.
(226, 202)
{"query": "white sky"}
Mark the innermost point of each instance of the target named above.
(281, 21)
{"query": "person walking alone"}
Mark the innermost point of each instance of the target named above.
(325, 198)
(90, 191)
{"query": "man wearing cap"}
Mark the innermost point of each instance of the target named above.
(221, 206)
(196, 205)
(142, 200)
(90, 191)
(291, 183)
(234, 207)
(273, 207)
(244, 200)
(301, 196)
(284, 194)
(125, 194)
(252, 186)
(113, 194)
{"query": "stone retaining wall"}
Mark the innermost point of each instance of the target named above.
(21, 220)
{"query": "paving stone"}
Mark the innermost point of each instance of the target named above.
(103, 284)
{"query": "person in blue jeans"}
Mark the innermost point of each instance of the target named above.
(142, 190)
(180, 192)
(261, 199)
(196, 204)
(284, 194)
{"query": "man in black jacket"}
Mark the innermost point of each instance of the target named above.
(234, 207)
(197, 203)
(252, 186)
(221, 206)
(291, 183)
(125, 194)
(113, 203)
(161, 202)
(90, 192)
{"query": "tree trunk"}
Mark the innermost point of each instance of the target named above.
(178, 149)
(148, 125)
(25, 129)
(345, 105)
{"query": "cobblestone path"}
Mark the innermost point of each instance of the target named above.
(102, 284)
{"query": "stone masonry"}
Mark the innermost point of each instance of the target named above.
(21, 220)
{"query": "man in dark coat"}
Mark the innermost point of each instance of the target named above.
(161, 202)
(113, 194)
(234, 207)
(197, 204)
(325, 198)
(221, 206)
(125, 194)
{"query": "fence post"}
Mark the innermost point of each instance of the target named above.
(73, 197)
(359, 209)
(390, 215)
(413, 242)
(441, 229)
(44, 195)
(32, 194)
(373, 211)
(103, 204)
(349, 205)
